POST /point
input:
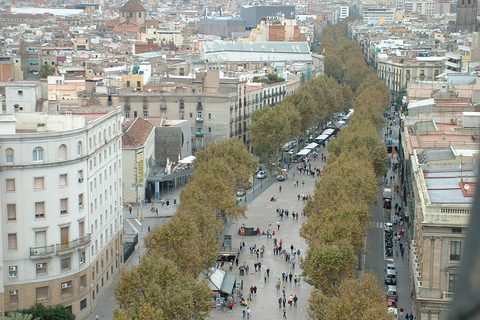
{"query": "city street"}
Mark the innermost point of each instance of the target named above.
(375, 260)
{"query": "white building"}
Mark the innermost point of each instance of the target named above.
(61, 201)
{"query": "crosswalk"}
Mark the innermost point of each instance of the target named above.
(380, 225)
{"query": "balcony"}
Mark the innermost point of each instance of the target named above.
(42, 252)
(68, 247)
(126, 107)
(240, 118)
(145, 106)
(199, 119)
(163, 107)
(448, 295)
(199, 106)
(199, 134)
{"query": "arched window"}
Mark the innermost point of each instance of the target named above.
(38, 154)
(9, 156)
(79, 148)
(62, 152)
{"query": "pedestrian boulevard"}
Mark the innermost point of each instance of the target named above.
(262, 212)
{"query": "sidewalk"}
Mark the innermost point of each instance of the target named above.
(260, 212)
(104, 309)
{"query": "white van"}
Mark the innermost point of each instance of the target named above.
(392, 292)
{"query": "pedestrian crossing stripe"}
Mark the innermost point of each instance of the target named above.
(380, 225)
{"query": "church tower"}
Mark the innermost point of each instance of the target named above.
(133, 11)
(466, 16)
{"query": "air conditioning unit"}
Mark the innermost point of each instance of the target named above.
(65, 285)
(80, 207)
(13, 268)
(36, 252)
(80, 179)
(41, 265)
(13, 292)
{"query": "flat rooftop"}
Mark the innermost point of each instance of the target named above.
(448, 187)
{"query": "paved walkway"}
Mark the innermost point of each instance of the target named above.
(104, 309)
(260, 212)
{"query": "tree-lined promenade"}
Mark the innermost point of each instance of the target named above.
(165, 285)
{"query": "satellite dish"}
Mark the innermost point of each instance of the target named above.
(466, 186)
(45, 115)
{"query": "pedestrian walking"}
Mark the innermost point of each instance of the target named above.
(411, 316)
(244, 312)
(268, 272)
(249, 312)
(284, 291)
(280, 302)
(265, 277)
(295, 299)
(280, 188)
(285, 313)
(407, 317)
(303, 183)
(279, 282)
(278, 225)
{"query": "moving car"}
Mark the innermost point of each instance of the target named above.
(282, 175)
(261, 174)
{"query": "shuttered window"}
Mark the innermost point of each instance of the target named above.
(39, 210)
(39, 183)
(10, 184)
(11, 212)
(63, 180)
(12, 241)
(64, 206)
(62, 152)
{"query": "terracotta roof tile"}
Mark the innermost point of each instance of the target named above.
(132, 5)
(135, 132)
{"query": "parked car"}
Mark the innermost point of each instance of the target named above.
(391, 303)
(240, 194)
(392, 292)
(261, 174)
(390, 276)
(390, 266)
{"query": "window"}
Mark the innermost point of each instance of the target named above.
(65, 263)
(145, 113)
(82, 257)
(41, 294)
(63, 180)
(452, 282)
(39, 183)
(83, 304)
(10, 184)
(13, 296)
(83, 281)
(9, 156)
(66, 287)
(11, 212)
(127, 114)
(12, 241)
(79, 148)
(38, 154)
(13, 271)
(456, 230)
(39, 210)
(455, 250)
(64, 206)
(80, 201)
(62, 152)
(20, 92)
(41, 268)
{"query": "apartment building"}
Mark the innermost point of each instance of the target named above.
(440, 148)
(61, 198)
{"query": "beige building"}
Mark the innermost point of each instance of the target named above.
(138, 143)
(217, 107)
(398, 72)
(440, 166)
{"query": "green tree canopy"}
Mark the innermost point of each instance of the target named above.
(41, 312)
(46, 70)
(157, 289)
(360, 299)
